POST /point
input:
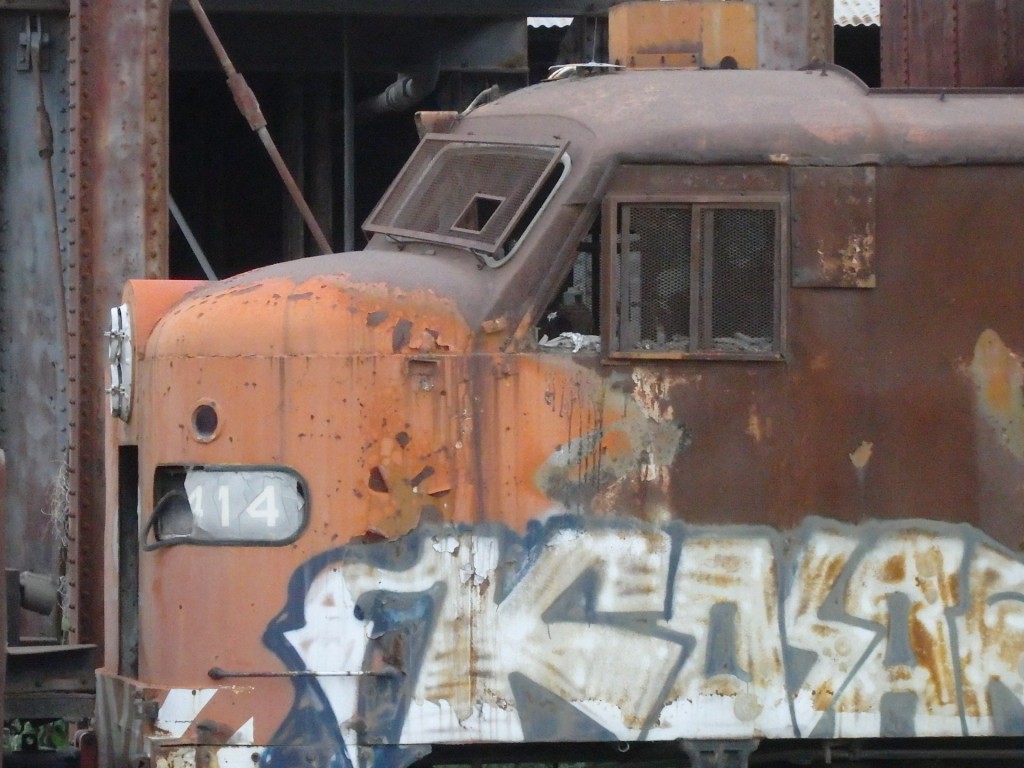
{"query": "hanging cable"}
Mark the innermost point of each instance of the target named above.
(44, 144)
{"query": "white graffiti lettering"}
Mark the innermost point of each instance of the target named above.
(594, 630)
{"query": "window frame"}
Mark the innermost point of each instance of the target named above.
(700, 308)
(427, 160)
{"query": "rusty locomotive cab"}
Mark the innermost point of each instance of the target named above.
(662, 407)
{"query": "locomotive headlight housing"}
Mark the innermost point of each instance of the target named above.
(119, 355)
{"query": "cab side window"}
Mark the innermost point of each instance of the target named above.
(693, 278)
(572, 321)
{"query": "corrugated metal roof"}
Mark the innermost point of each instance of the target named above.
(848, 13)
(549, 21)
(853, 13)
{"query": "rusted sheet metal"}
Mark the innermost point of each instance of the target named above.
(33, 396)
(952, 44)
(833, 227)
(769, 35)
(45, 682)
(837, 122)
(653, 34)
(118, 203)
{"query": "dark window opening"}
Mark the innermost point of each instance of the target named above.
(479, 211)
(697, 279)
(128, 559)
(576, 308)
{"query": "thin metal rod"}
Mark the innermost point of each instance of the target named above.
(44, 143)
(217, 673)
(186, 230)
(247, 104)
(348, 148)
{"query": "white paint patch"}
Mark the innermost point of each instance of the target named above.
(245, 734)
(239, 757)
(181, 707)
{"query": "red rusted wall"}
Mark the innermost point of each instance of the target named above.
(952, 43)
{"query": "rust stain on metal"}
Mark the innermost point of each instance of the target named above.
(758, 427)
(834, 221)
(999, 384)
(853, 265)
(894, 571)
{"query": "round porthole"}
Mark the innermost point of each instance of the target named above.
(205, 422)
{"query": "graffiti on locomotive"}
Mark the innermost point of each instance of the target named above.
(599, 630)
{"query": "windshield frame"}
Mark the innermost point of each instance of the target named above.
(426, 169)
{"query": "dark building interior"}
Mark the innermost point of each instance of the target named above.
(225, 185)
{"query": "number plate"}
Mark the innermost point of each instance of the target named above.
(245, 505)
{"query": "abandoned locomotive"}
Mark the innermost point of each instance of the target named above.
(680, 407)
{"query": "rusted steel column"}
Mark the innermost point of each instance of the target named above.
(820, 31)
(794, 33)
(118, 147)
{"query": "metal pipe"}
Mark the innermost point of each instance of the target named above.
(348, 149)
(216, 673)
(44, 143)
(247, 104)
(408, 90)
(190, 238)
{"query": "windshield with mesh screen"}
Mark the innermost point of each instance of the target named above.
(469, 194)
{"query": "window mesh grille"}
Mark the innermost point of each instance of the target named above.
(463, 192)
(740, 257)
(709, 289)
(657, 282)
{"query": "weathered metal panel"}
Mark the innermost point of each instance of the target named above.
(833, 227)
(655, 34)
(952, 44)
(33, 394)
(794, 33)
(119, 215)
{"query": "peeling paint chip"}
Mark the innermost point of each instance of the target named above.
(862, 455)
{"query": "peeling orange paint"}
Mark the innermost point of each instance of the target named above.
(862, 455)
(999, 384)
(758, 427)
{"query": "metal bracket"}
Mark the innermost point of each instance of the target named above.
(28, 39)
(725, 753)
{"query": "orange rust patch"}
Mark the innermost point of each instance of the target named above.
(894, 570)
(823, 697)
(862, 455)
(999, 384)
(932, 653)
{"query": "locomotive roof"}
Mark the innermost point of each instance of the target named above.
(824, 116)
(817, 117)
